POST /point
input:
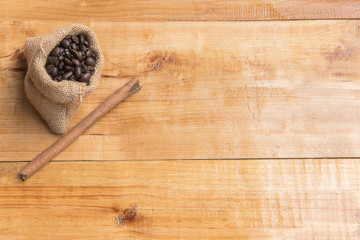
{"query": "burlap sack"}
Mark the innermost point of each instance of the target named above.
(57, 102)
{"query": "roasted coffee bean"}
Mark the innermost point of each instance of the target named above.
(78, 72)
(86, 77)
(67, 53)
(68, 62)
(55, 52)
(90, 61)
(80, 56)
(83, 48)
(61, 58)
(65, 43)
(89, 53)
(75, 39)
(67, 75)
(55, 72)
(67, 68)
(74, 46)
(61, 65)
(56, 61)
(61, 50)
(74, 53)
(82, 39)
(49, 68)
(76, 61)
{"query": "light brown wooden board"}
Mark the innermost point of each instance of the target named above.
(218, 199)
(211, 90)
(170, 10)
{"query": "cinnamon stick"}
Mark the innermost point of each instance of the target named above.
(120, 95)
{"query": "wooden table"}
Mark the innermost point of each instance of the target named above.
(244, 129)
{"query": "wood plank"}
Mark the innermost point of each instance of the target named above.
(222, 199)
(211, 90)
(157, 10)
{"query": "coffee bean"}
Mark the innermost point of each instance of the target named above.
(68, 62)
(89, 53)
(67, 75)
(67, 68)
(85, 77)
(61, 50)
(49, 68)
(83, 48)
(75, 39)
(61, 58)
(82, 39)
(78, 72)
(56, 61)
(54, 72)
(55, 51)
(65, 43)
(74, 46)
(61, 65)
(67, 53)
(81, 56)
(86, 43)
(90, 61)
(76, 61)
(74, 53)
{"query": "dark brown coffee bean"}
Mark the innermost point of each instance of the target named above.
(55, 52)
(67, 68)
(86, 77)
(67, 75)
(61, 65)
(74, 53)
(78, 72)
(75, 39)
(83, 67)
(76, 61)
(61, 50)
(90, 68)
(83, 48)
(61, 58)
(81, 56)
(68, 62)
(55, 72)
(49, 68)
(65, 43)
(86, 43)
(74, 46)
(90, 61)
(89, 53)
(56, 61)
(82, 39)
(67, 54)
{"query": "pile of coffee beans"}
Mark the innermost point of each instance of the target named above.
(71, 59)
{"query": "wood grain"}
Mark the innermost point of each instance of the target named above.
(211, 90)
(170, 10)
(219, 199)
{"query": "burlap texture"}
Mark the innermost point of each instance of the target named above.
(57, 102)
